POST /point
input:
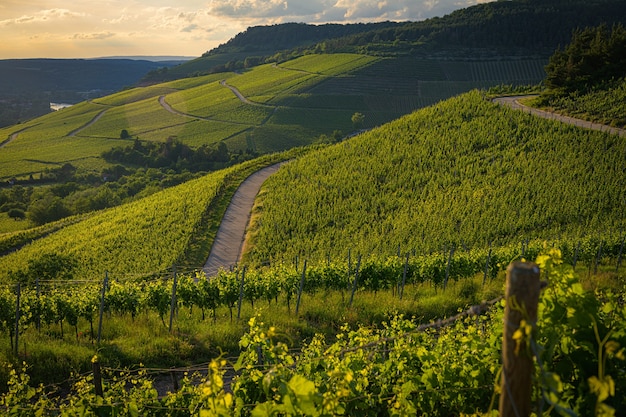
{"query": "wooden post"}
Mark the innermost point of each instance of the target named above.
(104, 288)
(599, 255)
(406, 266)
(174, 380)
(38, 305)
(241, 287)
(619, 256)
(301, 288)
(356, 278)
(522, 298)
(173, 301)
(576, 256)
(487, 262)
(97, 377)
(445, 281)
(17, 318)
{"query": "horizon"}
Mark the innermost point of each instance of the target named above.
(80, 29)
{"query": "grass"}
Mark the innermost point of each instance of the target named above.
(8, 224)
(128, 342)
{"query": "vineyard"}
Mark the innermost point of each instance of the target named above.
(463, 174)
(292, 104)
(400, 368)
(602, 105)
(147, 235)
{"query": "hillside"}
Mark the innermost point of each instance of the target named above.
(518, 28)
(137, 238)
(30, 85)
(285, 105)
(463, 173)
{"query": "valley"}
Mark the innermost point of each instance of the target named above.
(366, 275)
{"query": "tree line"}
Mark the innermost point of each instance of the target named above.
(135, 171)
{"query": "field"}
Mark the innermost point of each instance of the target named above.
(130, 239)
(463, 173)
(317, 92)
(355, 248)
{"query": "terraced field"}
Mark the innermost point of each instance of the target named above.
(267, 108)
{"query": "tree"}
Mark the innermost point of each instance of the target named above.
(51, 266)
(17, 214)
(124, 134)
(46, 209)
(357, 120)
(594, 55)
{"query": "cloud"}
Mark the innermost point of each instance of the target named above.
(93, 36)
(336, 10)
(190, 28)
(48, 15)
(249, 8)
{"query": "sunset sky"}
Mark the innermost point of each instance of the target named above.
(97, 28)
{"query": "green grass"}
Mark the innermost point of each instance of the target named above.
(8, 224)
(134, 94)
(128, 342)
(335, 64)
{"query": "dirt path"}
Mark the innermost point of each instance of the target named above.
(228, 243)
(85, 126)
(514, 103)
(243, 98)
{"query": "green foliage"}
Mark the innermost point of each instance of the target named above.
(594, 55)
(601, 104)
(399, 368)
(144, 235)
(461, 173)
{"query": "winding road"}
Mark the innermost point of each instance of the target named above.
(514, 103)
(228, 243)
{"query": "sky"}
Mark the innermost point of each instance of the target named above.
(100, 28)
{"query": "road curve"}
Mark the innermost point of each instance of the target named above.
(514, 103)
(228, 243)
(86, 125)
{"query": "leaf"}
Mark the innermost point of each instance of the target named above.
(304, 391)
(133, 409)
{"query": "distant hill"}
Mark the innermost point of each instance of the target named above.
(29, 85)
(485, 31)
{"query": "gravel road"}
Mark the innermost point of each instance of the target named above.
(514, 103)
(228, 243)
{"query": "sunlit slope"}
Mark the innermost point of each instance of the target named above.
(268, 108)
(464, 172)
(174, 226)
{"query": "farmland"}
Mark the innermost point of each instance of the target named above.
(318, 93)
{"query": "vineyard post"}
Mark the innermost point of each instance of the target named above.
(576, 255)
(619, 256)
(356, 278)
(38, 304)
(97, 377)
(522, 298)
(104, 288)
(445, 281)
(599, 255)
(174, 380)
(406, 266)
(241, 284)
(17, 317)
(173, 302)
(487, 266)
(301, 287)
